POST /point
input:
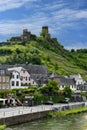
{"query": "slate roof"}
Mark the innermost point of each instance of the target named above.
(18, 69)
(36, 69)
(4, 71)
(40, 79)
(32, 69)
(66, 81)
(63, 80)
(38, 73)
(82, 87)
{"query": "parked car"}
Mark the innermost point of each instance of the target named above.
(48, 103)
(66, 100)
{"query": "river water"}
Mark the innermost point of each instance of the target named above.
(71, 122)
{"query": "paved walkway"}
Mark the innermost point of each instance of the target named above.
(14, 111)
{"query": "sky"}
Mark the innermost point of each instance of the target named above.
(66, 19)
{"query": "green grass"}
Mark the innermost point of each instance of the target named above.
(2, 127)
(68, 112)
(49, 52)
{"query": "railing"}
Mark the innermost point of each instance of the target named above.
(9, 112)
(15, 111)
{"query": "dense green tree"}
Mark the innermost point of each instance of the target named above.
(51, 88)
(35, 60)
(67, 91)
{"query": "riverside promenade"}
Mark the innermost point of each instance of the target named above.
(15, 115)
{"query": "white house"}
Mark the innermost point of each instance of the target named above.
(26, 78)
(15, 81)
(21, 78)
(63, 81)
(78, 79)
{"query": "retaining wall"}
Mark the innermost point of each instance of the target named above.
(22, 118)
(13, 120)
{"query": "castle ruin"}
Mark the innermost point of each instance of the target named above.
(45, 32)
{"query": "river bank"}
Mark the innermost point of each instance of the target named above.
(67, 112)
(70, 122)
(14, 116)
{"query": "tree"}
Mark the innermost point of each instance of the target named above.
(51, 88)
(67, 91)
(35, 60)
(56, 66)
(72, 50)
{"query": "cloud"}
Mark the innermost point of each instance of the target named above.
(82, 14)
(76, 46)
(12, 4)
(59, 20)
(58, 15)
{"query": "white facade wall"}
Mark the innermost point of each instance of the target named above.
(72, 87)
(77, 78)
(15, 81)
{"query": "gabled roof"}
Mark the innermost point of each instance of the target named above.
(32, 69)
(4, 71)
(54, 74)
(65, 80)
(39, 78)
(75, 76)
(36, 69)
(18, 69)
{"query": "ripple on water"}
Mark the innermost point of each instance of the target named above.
(71, 122)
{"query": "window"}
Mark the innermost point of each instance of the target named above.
(13, 76)
(17, 83)
(21, 78)
(13, 83)
(3, 79)
(7, 86)
(23, 71)
(3, 86)
(0, 78)
(0, 86)
(29, 79)
(7, 79)
(26, 78)
(17, 76)
(2, 71)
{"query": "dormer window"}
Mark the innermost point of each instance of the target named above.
(2, 71)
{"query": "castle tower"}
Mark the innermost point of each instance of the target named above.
(45, 32)
(45, 28)
(26, 34)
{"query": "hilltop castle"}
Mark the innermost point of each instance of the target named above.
(26, 36)
(45, 32)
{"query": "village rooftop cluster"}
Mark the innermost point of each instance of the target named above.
(23, 76)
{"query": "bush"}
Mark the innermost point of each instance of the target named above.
(2, 127)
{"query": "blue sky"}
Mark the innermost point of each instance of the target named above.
(66, 19)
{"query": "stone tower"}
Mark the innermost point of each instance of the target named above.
(45, 32)
(26, 34)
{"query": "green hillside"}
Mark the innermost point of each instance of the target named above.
(47, 52)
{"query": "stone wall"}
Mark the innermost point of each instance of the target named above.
(14, 120)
